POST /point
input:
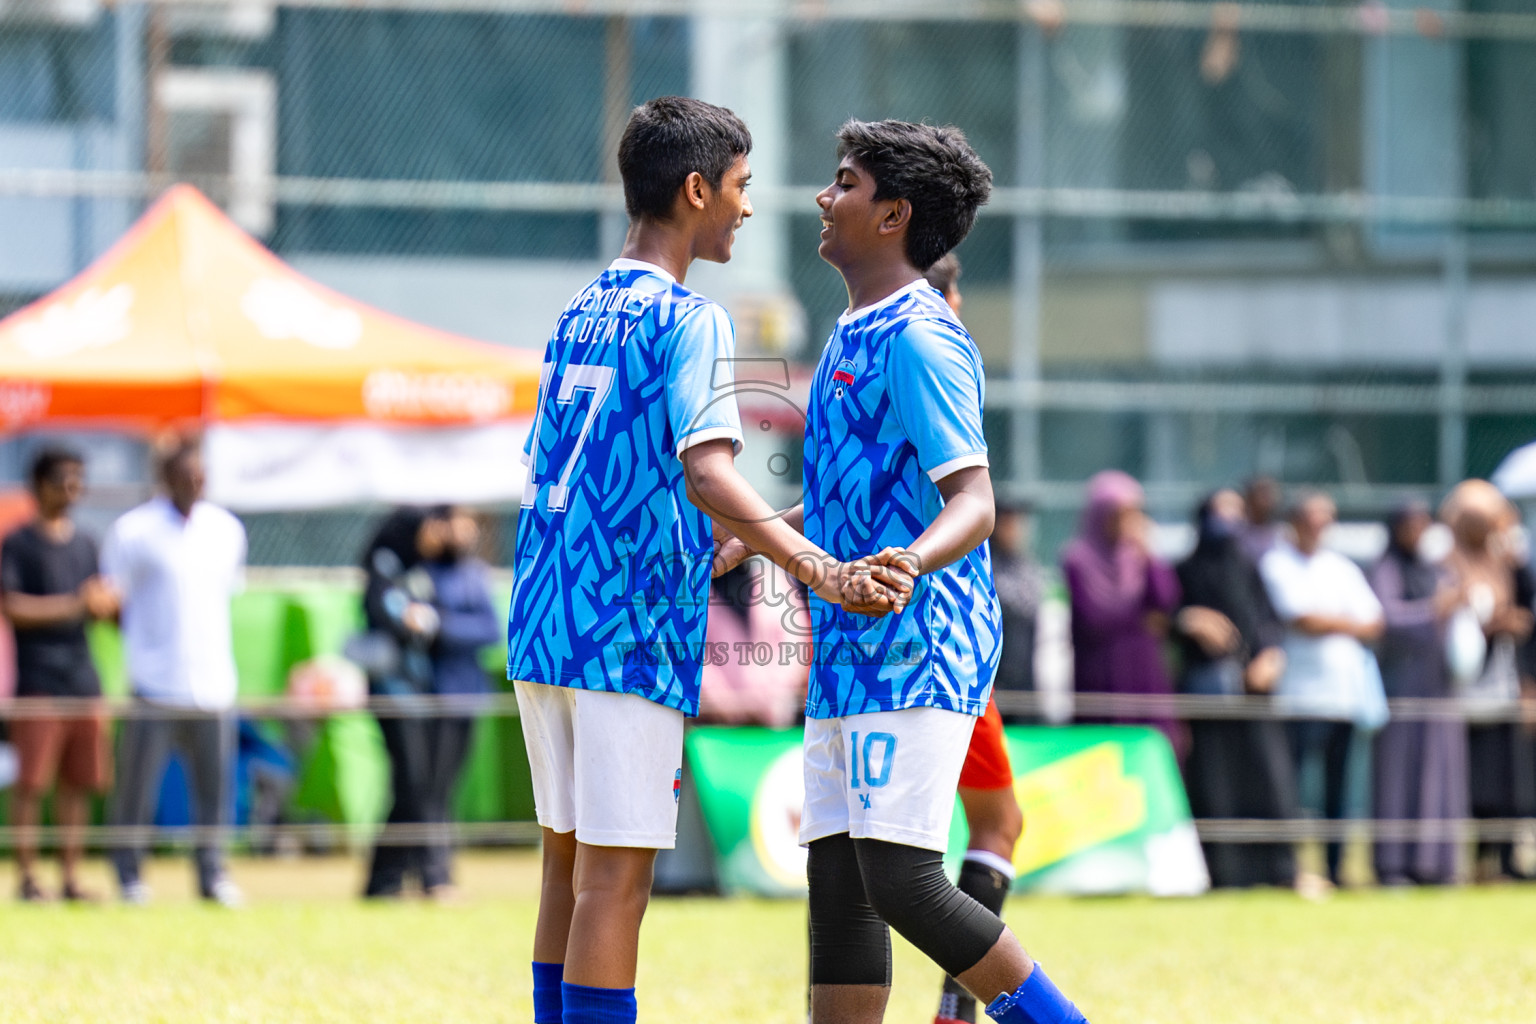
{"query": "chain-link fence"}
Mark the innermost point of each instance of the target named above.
(1285, 238)
(1293, 238)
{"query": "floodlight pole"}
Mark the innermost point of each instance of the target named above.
(1028, 264)
(1453, 360)
(618, 53)
(157, 49)
(743, 63)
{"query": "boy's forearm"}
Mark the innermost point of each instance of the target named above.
(794, 516)
(718, 489)
(965, 521)
(954, 533)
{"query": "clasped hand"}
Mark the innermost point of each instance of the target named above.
(874, 585)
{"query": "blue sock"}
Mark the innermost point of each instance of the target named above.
(585, 1005)
(1037, 1001)
(546, 993)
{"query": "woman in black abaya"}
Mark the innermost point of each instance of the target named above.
(1229, 636)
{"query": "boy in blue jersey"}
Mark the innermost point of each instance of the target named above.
(895, 462)
(636, 431)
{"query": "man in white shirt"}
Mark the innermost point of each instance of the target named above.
(1330, 614)
(176, 561)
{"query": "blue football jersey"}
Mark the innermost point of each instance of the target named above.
(612, 564)
(895, 405)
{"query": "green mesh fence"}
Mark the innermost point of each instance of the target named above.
(1285, 238)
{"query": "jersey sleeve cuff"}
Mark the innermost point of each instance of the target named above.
(710, 434)
(943, 469)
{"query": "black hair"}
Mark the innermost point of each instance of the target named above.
(943, 274)
(668, 139)
(49, 460)
(1254, 483)
(1402, 513)
(171, 451)
(1304, 497)
(397, 535)
(932, 167)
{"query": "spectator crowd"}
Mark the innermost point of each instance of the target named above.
(166, 574)
(1261, 607)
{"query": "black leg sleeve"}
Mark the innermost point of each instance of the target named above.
(908, 888)
(850, 944)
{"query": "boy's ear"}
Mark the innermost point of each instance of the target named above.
(696, 190)
(897, 216)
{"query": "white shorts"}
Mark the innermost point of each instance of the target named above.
(887, 775)
(607, 766)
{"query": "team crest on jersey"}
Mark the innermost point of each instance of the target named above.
(843, 376)
(677, 786)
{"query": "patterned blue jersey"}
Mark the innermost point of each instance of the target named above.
(894, 406)
(612, 567)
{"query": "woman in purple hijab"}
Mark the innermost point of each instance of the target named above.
(1122, 598)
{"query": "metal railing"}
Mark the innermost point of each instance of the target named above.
(1015, 704)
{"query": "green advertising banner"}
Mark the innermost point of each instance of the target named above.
(1104, 810)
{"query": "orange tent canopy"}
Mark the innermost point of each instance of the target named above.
(187, 318)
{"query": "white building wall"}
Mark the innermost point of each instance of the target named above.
(1336, 323)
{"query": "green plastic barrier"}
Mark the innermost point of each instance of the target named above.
(497, 784)
(322, 618)
(345, 778)
(258, 622)
(106, 644)
(344, 775)
(1104, 810)
(494, 658)
(481, 793)
(269, 635)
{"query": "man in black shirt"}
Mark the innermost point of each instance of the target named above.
(49, 589)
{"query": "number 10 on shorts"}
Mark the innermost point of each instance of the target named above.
(870, 759)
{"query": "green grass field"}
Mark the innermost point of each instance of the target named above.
(306, 951)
